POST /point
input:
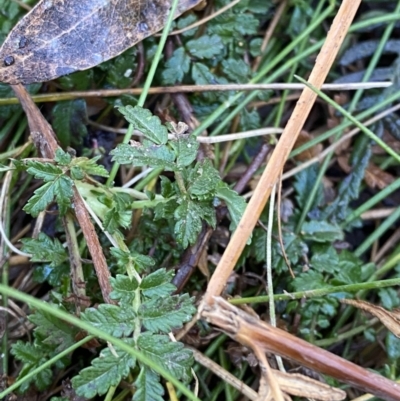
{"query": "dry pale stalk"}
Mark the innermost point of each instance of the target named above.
(274, 168)
(256, 334)
(45, 140)
(291, 383)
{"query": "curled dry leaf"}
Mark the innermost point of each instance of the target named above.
(58, 37)
(391, 319)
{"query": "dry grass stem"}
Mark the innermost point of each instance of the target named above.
(254, 333)
(190, 89)
(274, 168)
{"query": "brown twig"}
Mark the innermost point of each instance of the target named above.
(141, 63)
(271, 174)
(45, 140)
(254, 333)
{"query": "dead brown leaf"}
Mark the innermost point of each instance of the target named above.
(59, 37)
(375, 177)
(308, 154)
(391, 319)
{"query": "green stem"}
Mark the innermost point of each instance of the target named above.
(344, 336)
(78, 278)
(320, 292)
(383, 227)
(345, 124)
(180, 181)
(354, 120)
(372, 202)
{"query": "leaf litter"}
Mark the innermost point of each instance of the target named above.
(59, 37)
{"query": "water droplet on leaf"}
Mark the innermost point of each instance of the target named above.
(9, 60)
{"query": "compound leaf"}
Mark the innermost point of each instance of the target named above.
(61, 189)
(172, 356)
(188, 217)
(139, 155)
(235, 203)
(158, 283)
(106, 370)
(205, 46)
(165, 314)
(148, 386)
(176, 67)
(43, 171)
(112, 319)
(123, 289)
(148, 124)
(45, 249)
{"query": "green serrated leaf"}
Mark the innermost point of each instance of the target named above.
(61, 189)
(138, 155)
(45, 249)
(349, 270)
(309, 280)
(164, 314)
(236, 70)
(176, 67)
(235, 203)
(27, 353)
(303, 185)
(188, 225)
(140, 262)
(124, 289)
(114, 218)
(118, 212)
(185, 21)
(112, 319)
(205, 46)
(158, 283)
(165, 210)
(185, 147)
(43, 171)
(350, 187)
(54, 275)
(203, 180)
(32, 357)
(392, 347)
(389, 298)
(208, 213)
(325, 258)
(90, 166)
(148, 387)
(144, 121)
(167, 188)
(172, 356)
(321, 231)
(69, 122)
(107, 370)
(52, 331)
(77, 173)
(232, 26)
(62, 158)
